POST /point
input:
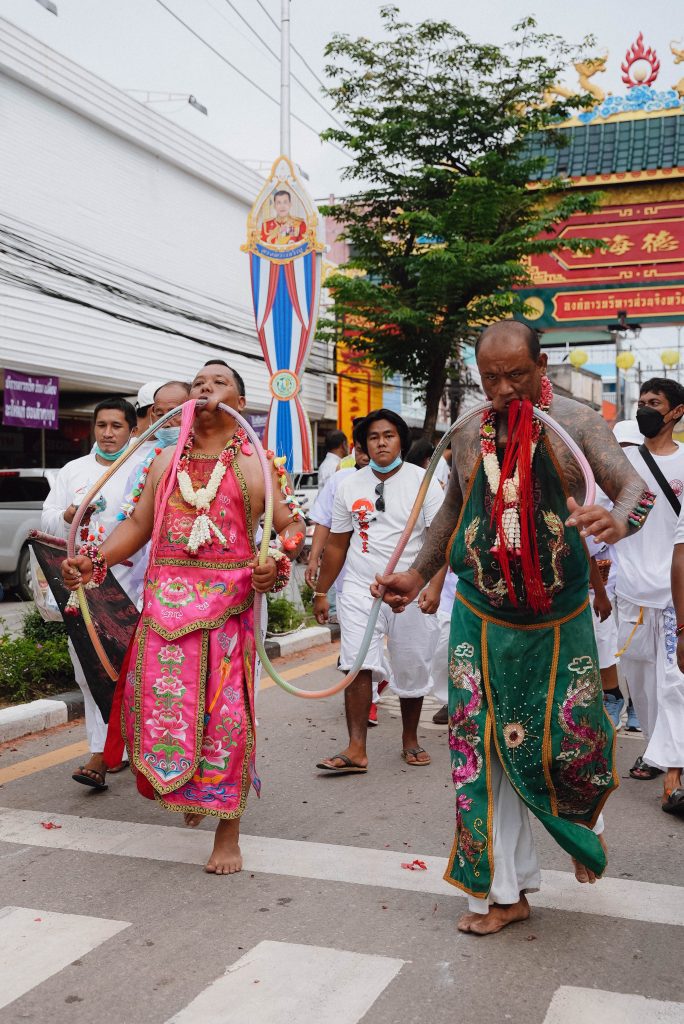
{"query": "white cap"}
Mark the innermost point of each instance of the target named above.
(627, 432)
(146, 393)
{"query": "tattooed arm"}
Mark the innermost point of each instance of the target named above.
(401, 588)
(612, 469)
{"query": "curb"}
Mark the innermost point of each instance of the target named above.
(302, 640)
(36, 716)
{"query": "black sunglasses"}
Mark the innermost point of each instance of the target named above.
(380, 500)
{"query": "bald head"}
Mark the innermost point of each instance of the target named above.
(510, 330)
(511, 364)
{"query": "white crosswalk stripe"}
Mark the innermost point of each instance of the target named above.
(285, 981)
(572, 1005)
(35, 944)
(612, 897)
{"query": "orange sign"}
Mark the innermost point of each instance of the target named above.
(359, 387)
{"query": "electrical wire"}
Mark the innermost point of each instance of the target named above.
(294, 48)
(274, 53)
(97, 294)
(233, 67)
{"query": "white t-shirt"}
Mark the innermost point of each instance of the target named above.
(375, 534)
(326, 469)
(442, 473)
(679, 529)
(70, 487)
(322, 510)
(644, 559)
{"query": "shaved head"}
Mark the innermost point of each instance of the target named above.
(512, 330)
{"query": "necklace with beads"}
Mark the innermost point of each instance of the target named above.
(511, 486)
(201, 498)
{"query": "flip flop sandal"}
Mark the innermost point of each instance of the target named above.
(87, 780)
(674, 802)
(346, 768)
(643, 772)
(406, 754)
(119, 768)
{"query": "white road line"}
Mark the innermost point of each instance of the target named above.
(612, 897)
(587, 1005)
(284, 981)
(35, 944)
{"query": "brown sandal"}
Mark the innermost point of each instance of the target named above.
(413, 754)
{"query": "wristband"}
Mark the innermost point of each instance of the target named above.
(91, 551)
(94, 553)
(317, 594)
(283, 569)
(679, 630)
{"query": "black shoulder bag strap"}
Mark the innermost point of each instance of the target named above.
(662, 482)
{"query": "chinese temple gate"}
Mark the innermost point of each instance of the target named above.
(631, 149)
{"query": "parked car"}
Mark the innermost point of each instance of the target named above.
(306, 489)
(22, 493)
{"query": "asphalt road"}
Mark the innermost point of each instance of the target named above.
(110, 917)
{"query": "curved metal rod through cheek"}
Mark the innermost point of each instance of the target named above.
(268, 522)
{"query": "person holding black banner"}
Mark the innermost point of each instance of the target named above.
(647, 635)
(113, 422)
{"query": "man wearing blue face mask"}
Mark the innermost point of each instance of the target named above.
(166, 397)
(370, 512)
(114, 420)
(648, 623)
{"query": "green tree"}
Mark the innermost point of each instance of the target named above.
(441, 217)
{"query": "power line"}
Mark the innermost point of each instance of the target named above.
(251, 81)
(294, 48)
(274, 53)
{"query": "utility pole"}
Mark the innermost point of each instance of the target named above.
(285, 77)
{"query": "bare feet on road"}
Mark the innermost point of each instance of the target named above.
(499, 917)
(584, 874)
(226, 858)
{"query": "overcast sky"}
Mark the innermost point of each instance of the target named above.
(136, 44)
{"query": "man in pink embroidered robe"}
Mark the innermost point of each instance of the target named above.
(186, 688)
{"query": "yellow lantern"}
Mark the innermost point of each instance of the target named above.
(625, 360)
(578, 357)
(669, 357)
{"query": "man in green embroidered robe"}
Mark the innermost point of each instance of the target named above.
(527, 727)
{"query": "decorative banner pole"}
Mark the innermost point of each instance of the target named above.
(285, 246)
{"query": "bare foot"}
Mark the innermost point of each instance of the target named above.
(226, 858)
(193, 820)
(583, 873)
(499, 917)
(465, 920)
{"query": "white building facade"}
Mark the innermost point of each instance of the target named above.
(120, 240)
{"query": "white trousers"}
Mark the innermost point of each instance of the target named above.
(439, 670)
(96, 728)
(411, 638)
(516, 866)
(655, 683)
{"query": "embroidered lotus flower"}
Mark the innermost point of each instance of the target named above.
(214, 752)
(172, 654)
(176, 593)
(167, 722)
(168, 685)
(180, 529)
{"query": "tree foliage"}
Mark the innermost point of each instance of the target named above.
(441, 219)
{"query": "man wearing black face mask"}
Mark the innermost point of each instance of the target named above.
(645, 607)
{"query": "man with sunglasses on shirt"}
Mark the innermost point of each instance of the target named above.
(371, 509)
